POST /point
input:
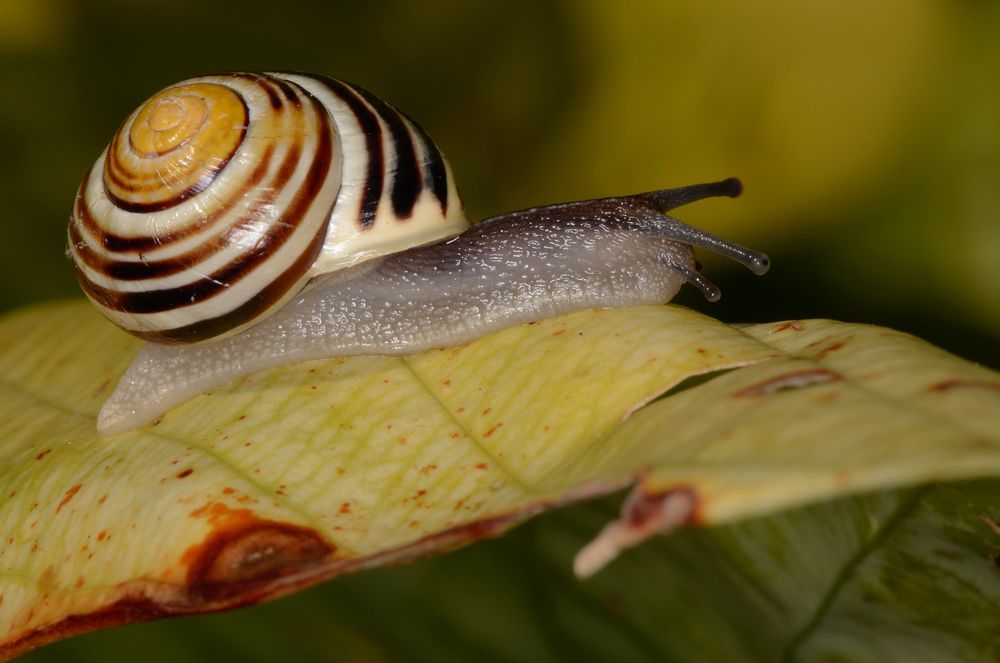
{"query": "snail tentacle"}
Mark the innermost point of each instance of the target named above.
(668, 199)
(698, 280)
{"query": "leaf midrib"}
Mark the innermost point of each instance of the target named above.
(848, 571)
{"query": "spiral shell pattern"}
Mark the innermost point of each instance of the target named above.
(222, 196)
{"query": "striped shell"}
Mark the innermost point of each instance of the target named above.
(222, 196)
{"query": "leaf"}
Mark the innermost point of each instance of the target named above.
(290, 477)
(893, 576)
(849, 408)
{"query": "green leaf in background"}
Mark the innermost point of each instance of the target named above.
(293, 476)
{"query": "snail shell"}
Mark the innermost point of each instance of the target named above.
(220, 197)
(245, 221)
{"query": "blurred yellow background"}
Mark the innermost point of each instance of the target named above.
(867, 134)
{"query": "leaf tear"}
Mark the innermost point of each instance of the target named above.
(644, 514)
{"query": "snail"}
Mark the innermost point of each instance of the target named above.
(243, 221)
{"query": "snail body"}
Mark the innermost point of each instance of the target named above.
(434, 283)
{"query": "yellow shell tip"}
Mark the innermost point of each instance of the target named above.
(177, 115)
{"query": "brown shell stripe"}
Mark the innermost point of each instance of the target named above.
(248, 310)
(152, 301)
(415, 168)
(278, 286)
(435, 172)
(372, 131)
(125, 179)
(146, 268)
(405, 180)
(131, 270)
(144, 243)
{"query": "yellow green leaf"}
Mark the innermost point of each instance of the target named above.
(293, 476)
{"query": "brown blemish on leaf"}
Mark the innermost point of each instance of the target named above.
(948, 385)
(492, 430)
(644, 514)
(43, 454)
(101, 388)
(644, 510)
(832, 348)
(481, 466)
(243, 553)
(793, 380)
(185, 473)
(68, 496)
(793, 324)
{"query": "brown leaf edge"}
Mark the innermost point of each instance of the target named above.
(245, 560)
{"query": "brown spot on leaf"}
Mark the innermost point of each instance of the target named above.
(827, 350)
(68, 496)
(243, 553)
(948, 385)
(492, 430)
(793, 324)
(793, 380)
(43, 454)
(644, 510)
(184, 473)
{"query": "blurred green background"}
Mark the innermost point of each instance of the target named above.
(867, 135)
